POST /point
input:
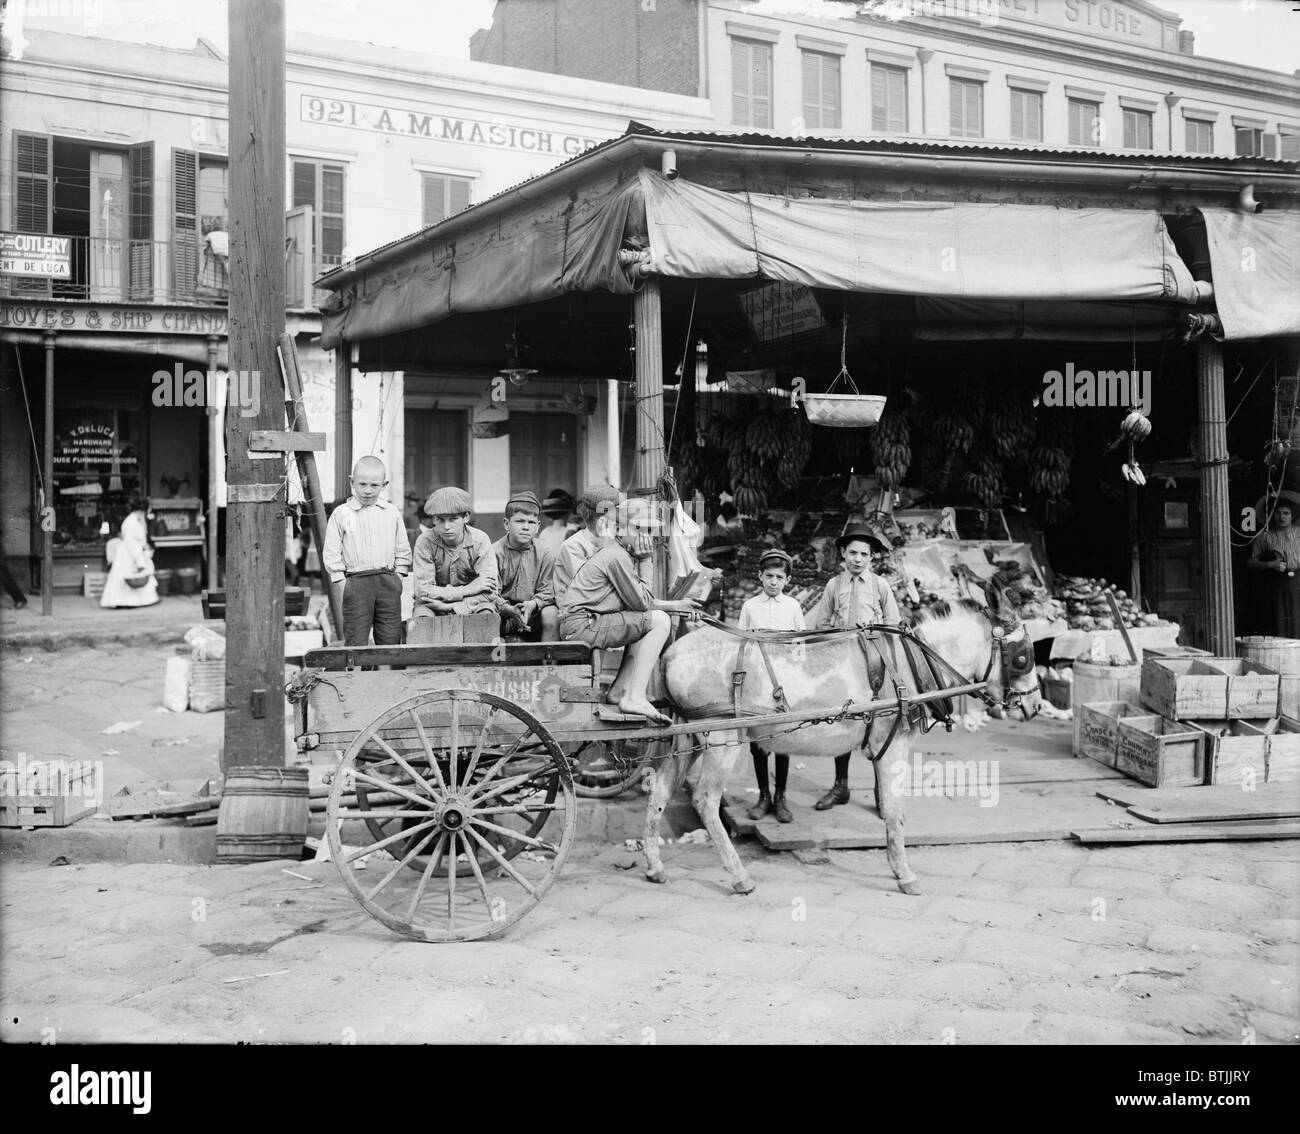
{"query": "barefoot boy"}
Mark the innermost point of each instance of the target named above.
(771, 610)
(608, 605)
(525, 602)
(854, 597)
(596, 511)
(366, 550)
(455, 570)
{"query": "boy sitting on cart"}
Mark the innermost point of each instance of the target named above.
(608, 604)
(525, 602)
(455, 570)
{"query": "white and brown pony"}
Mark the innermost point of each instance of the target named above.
(716, 671)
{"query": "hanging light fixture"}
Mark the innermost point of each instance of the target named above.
(517, 375)
(701, 363)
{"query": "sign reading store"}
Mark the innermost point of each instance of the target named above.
(439, 127)
(35, 254)
(98, 317)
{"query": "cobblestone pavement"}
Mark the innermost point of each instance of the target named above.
(1045, 943)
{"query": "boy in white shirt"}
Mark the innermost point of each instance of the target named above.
(771, 610)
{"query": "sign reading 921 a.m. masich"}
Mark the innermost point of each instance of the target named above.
(35, 254)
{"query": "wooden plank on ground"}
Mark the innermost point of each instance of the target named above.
(1217, 803)
(1190, 833)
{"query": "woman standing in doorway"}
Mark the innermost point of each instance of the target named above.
(1275, 557)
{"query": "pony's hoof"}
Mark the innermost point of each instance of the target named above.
(660, 875)
(912, 888)
(745, 887)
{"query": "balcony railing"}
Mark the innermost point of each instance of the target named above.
(110, 270)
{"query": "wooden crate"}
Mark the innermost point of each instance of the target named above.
(1173, 652)
(1233, 748)
(453, 629)
(1209, 688)
(56, 797)
(1099, 729)
(1283, 750)
(1161, 753)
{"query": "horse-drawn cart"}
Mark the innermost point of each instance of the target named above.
(452, 806)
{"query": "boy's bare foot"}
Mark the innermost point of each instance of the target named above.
(641, 707)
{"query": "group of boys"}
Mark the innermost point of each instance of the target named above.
(592, 586)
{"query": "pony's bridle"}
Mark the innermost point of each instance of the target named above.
(1017, 656)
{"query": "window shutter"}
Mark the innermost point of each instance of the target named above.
(185, 222)
(33, 198)
(1289, 147)
(812, 95)
(140, 222)
(831, 93)
(956, 111)
(898, 101)
(1270, 146)
(458, 195)
(762, 96)
(435, 196)
(879, 100)
(974, 110)
(1018, 101)
(739, 84)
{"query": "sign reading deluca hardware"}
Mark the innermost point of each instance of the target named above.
(32, 254)
(439, 127)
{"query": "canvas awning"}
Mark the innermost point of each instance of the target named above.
(572, 241)
(1255, 262)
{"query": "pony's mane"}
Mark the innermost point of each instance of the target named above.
(943, 610)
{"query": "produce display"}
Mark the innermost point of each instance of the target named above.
(1086, 607)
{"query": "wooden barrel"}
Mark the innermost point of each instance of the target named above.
(1281, 654)
(263, 814)
(1094, 682)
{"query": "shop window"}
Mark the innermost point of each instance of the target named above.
(821, 91)
(98, 453)
(1026, 116)
(544, 451)
(966, 108)
(1200, 136)
(1137, 129)
(751, 83)
(200, 225)
(888, 98)
(1085, 122)
(319, 185)
(442, 196)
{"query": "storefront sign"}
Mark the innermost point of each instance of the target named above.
(779, 310)
(440, 127)
(32, 254)
(92, 445)
(1093, 17)
(93, 317)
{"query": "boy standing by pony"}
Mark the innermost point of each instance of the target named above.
(771, 610)
(855, 597)
(455, 569)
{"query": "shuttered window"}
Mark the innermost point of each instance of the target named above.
(1250, 142)
(821, 91)
(1137, 129)
(442, 196)
(33, 198)
(140, 221)
(751, 83)
(1085, 123)
(888, 99)
(1026, 116)
(1289, 147)
(185, 221)
(320, 185)
(1200, 136)
(966, 108)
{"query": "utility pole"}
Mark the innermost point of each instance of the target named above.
(257, 482)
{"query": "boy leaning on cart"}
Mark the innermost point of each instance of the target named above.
(455, 568)
(525, 601)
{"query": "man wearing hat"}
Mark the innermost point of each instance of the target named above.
(557, 509)
(525, 601)
(855, 597)
(455, 570)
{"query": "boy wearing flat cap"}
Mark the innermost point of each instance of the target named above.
(596, 511)
(455, 569)
(525, 602)
(771, 610)
(855, 597)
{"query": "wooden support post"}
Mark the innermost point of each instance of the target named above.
(255, 512)
(342, 422)
(216, 462)
(307, 470)
(47, 476)
(1216, 557)
(1135, 547)
(648, 320)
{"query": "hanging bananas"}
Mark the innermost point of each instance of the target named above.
(891, 449)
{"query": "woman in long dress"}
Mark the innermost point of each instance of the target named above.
(133, 560)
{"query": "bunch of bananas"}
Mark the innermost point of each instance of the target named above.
(891, 447)
(985, 479)
(1049, 482)
(1011, 428)
(954, 433)
(1131, 470)
(795, 448)
(1136, 427)
(749, 501)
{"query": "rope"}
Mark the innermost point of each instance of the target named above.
(686, 354)
(31, 428)
(300, 686)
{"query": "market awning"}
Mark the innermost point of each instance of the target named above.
(576, 242)
(941, 320)
(1255, 261)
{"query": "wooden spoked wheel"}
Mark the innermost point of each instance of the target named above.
(456, 784)
(606, 768)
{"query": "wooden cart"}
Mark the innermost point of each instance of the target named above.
(452, 808)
